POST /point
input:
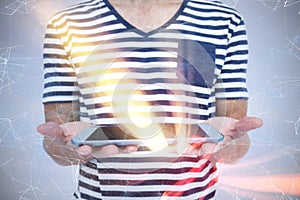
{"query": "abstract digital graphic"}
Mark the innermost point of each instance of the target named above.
(270, 170)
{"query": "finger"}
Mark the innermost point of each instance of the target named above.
(85, 152)
(201, 150)
(105, 151)
(50, 129)
(128, 149)
(247, 124)
(193, 149)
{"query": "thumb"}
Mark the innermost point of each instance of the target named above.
(247, 124)
(50, 129)
(85, 151)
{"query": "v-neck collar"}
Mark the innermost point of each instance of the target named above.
(131, 27)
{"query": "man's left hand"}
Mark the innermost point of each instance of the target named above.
(236, 141)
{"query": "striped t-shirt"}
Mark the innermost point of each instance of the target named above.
(124, 76)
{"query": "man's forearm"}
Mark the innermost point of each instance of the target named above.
(232, 149)
(59, 113)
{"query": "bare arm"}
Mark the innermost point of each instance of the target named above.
(236, 109)
(62, 124)
(233, 148)
(61, 113)
(55, 139)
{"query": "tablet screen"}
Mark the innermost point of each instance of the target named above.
(115, 133)
(109, 133)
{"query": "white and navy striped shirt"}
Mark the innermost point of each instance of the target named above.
(176, 72)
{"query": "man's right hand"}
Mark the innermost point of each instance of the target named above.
(57, 143)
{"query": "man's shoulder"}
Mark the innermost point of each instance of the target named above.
(82, 8)
(214, 6)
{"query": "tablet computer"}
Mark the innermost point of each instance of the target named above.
(100, 136)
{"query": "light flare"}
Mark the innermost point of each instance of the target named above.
(143, 123)
(257, 186)
(284, 183)
(140, 122)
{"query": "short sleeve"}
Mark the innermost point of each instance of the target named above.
(231, 83)
(60, 82)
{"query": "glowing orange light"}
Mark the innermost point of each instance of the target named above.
(284, 183)
(140, 124)
(259, 187)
